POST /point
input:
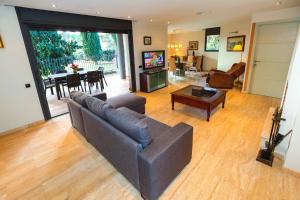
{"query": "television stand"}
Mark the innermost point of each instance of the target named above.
(153, 80)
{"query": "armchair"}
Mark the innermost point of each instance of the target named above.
(225, 80)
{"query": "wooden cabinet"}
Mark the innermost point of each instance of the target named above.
(153, 80)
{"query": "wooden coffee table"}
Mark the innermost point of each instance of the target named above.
(208, 103)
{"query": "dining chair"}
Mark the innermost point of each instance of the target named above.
(93, 77)
(199, 64)
(61, 81)
(48, 84)
(73, 81)
(190, 61)
(172, 67)
(101, 70)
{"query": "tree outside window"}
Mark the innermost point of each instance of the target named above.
(212, 39)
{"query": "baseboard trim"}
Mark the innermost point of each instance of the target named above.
(22, 127)
(289, 171)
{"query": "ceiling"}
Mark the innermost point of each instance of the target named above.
(181, 14)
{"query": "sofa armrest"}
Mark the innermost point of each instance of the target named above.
(163, 159)
(221, 80)
(101, 95)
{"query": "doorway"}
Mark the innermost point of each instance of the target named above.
(273, 51)
(33, 19)
(58, 52)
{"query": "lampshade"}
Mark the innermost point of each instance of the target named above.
(237, 47)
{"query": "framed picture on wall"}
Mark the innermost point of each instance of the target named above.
(193, 45)
(147, 40)
(236, 43)
(1, 43)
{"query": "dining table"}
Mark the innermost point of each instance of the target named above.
(58, 78)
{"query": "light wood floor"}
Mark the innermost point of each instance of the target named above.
(52, 161)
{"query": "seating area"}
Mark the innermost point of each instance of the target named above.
(165, 100)
(61, 79)
(179, 66)
(144, 151)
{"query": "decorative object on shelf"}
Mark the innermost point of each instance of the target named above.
(147, 40)
(193, 45)
(266, 155)
(1, 43)
(236, 43)
(74, 67)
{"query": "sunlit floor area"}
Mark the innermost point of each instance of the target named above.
(53, 161)
(115, 86)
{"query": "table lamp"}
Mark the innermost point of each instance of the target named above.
(238, 47)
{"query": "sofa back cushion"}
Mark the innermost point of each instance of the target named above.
(97, 106)
(131, 123)
(79, 97)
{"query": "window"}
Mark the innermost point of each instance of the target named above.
(212, 37)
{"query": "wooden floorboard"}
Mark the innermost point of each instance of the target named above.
(52, 160)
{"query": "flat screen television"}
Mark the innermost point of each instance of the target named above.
(153, 59)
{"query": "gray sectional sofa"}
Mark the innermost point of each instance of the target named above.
(148, 153)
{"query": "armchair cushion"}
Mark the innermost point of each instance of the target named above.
(221, 80)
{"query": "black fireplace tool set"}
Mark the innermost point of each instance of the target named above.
(266, 155)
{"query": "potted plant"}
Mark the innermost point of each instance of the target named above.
(74, 67)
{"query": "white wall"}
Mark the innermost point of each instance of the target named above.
(225, 58)
(159, 34)
(291, 111)
(210, 58)
(18, 105)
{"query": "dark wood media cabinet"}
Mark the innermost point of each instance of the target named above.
(153, 80)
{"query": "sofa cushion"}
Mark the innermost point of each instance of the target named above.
(130, 123)
(130, 101)
(156, 128)
(97, 106)
(79, 97)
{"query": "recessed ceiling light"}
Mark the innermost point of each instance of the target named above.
(98, 12)
(53, 5)
(278, 3)
(129, 17)
(169, 22)
(151, 20)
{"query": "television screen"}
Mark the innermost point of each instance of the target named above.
(153, 59)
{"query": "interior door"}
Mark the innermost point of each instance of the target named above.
(273, 52)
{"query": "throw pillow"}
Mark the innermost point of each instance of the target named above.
(97, 106)
(79, 97)
(131, 123)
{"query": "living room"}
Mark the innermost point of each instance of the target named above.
(167, 143)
